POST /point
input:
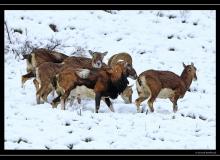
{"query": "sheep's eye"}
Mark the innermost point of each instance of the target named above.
(129, 66)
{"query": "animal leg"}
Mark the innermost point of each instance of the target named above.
(109, 104)
(150, 104)
(138, 102)
(63, 99)
(71, 100)
(151, 101)
(38, 99)
(46, 93)
(53, 92)
(62, 104)
(26, 77)
(39, 95)
(153, 94)
(78, 99)
(56, 101)
(79, 103)
(36, 84)
(97, 101)
(174, 101)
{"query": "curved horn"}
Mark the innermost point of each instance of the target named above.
(192, 63)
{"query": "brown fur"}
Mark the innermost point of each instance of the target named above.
(150, 83)
(106, 82)
(66, 80)
(48, 70)
(44, 74)
(95, 62)
(37, 57)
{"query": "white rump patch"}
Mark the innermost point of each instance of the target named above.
(166, 93)
(83, 73)
(143, 88)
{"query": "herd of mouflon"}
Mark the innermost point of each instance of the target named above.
(79, 77)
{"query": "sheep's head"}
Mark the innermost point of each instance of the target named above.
(191, 70)
(97, 58)
(129, 71)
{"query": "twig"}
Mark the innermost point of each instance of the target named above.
(14, 51)
(7, 32)
(57, 44)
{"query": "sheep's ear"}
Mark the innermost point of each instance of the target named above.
(184, 65)
(104, 54)
(91, 52)
(192, 64)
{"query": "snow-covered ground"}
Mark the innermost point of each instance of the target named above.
(156, 40)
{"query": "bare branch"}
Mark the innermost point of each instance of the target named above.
(14, 51)
(54, 44)
(8, 32)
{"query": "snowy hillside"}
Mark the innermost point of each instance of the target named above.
(155, 39)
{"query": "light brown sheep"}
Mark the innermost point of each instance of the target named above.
(154, 84)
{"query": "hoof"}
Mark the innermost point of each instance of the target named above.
(54, 105)
(152, 109)
(138, 110)
(175, 109)
(39, 102)
(146, 111)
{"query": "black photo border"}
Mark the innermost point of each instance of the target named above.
(104, 7)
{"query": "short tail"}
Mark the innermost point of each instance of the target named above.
(83, 73)
(139, 86)
(26, 56)
(139, 81)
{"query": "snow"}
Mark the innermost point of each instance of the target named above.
(32, 126)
